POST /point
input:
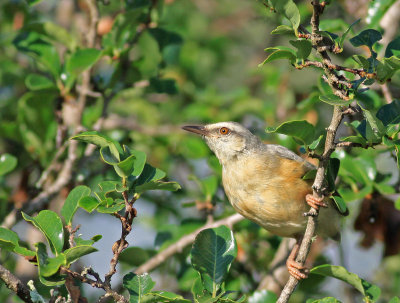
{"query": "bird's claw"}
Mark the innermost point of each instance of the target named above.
(297, 270)
(315, 202)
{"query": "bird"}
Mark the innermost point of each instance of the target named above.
(263, 183)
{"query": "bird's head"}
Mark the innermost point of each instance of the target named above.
(228, 140)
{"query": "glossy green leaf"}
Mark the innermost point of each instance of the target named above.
(355, 139)
(283, 30)
(39, 82)
(49, 223)
(280, 52)
(81, 242)
(8, 239)
(100, 140)
(72, 202)
(316, 143)
(148, 174)
(140, 162)
(367, 37)
(389, 113)
(23, 251)
(212, 254)
(74, 253)
(54, 32)
(81, 60)
(138, 286)
(331, 173)
(7, 163)
(48, 267)
(88, 203)
(303, 48)
(288, 9)
(334, 100)
(263, 296)
(365, 288)
(300, 130)
(341, 205)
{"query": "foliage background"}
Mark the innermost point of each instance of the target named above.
(184, 62)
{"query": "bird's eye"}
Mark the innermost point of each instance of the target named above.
(224, 130)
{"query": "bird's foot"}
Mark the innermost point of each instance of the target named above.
(315, 202)
(296, 270)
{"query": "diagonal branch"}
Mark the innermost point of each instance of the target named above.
(15, 284)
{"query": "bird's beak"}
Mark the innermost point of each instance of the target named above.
(197, 129)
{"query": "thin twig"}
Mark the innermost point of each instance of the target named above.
(15, 284)
(182, 243)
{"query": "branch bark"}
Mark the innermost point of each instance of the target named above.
(15, 284)
(337, 117)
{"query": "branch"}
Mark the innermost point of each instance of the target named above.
(324, 161)
(94, 283)
(15, 284)
(182, 243)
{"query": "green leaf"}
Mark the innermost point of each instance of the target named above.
(157, 185)
(33, 2)
(361, 60)
(81, 60)
(331, 173)
(138, 286)
(101, 140)
(367, 37)
(343, 38)
(39, 82)
(283, 30)
(365, 288)
(163, 86)
(72, 202)
(8, 239)
(393, 46)
(376, 125)
(81, 242)
(355, 139)
(74, 253)
(54, 32)
(112, 208)
(125, 168)
(389, 113)
(35, 45)
(135, 256)
(7, 163)
(316, 143)
(140, 162)
(209, 186)
(300, 130)
(341, 205)
(212, 254)
(108, 188)
(280, 52)
(49, 223)
(310, 175)
(148, 174)
(334, 100)
(303, 48)
(394, 300)
(289, 9)
(165, 296)
(88, 203)
(48, 267)
(263, 296)
(324, 300)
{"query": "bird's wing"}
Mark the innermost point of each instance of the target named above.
(288, 154)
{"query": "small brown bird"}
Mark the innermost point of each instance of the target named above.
(264, 183)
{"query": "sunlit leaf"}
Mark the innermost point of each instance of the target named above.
(72, 202)
(7, 163)
(49, 223)
(300, 130)
(138, 286)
